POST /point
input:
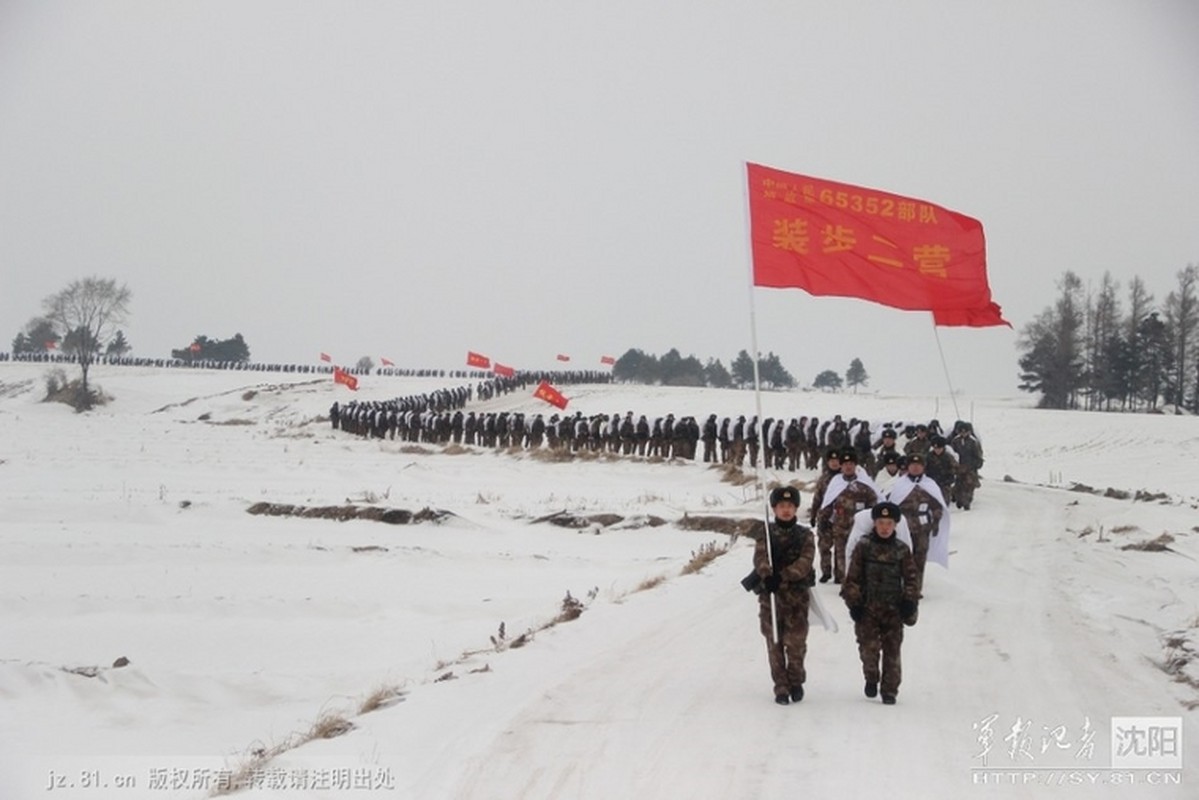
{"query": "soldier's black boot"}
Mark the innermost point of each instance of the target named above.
(888, 699)
(797, 694)
(825, 577)
(871, 688)
(782, 699)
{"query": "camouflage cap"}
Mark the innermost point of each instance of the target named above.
(889, 434)
(832, 452)
(784, 494)
(938, 441)
(916, 458)
(849, 455)
(890, 457)
(885, 511)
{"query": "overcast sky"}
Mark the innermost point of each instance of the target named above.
(414, 179)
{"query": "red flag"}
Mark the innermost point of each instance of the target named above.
(849, 241)
(51, 344)
(387, 362)
(195, 347)
(473, 359)
(550, 395)
(503, 371)
(326, 357)
(563, 358)
(608, 360)
(341, 376)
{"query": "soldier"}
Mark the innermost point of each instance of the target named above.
(785, 574)
(642, 434)
(751, 441)
(777, 447)
(536, 432)
(793, 440)
(970, 457)
(811, 445)
(822, 523)
(628, 435)
(880, 592)
(894, 467)
(739, 442)
(864, 448)
(848, 492)
(886, 444)
(923, 506)
(334, 414)
(941, 466)
(709, 439)
(838, 437)
(920, 444)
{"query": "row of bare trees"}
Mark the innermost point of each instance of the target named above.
(1093, 350)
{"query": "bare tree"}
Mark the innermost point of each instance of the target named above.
(89, 310)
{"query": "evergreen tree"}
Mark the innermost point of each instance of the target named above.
(1182, 327)
(38, 337)
(635, 367)
(772, 372)
(716, 375)
(118, 346)
(204, 349)
(856, 375)
(1052, 363)
(828, 379)
(1153, 354)
(743, 370)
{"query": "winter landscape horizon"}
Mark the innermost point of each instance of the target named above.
(489, 653)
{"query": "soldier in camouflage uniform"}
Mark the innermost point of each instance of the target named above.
(923, 505)
(885, 445)
(941, 466)
(920, 444)
(880, 592)
(785, 574)
(823, 523)
(970, 461)
(848, 492)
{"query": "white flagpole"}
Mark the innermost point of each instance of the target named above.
(945, 367)
(753, 339)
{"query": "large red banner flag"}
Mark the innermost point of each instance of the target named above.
(607, 360)
(473, 359)
(341, 376)
(836, 239)
(563, 357)
(550, 395)
(502, 370)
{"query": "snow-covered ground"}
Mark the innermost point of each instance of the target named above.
(124, 533)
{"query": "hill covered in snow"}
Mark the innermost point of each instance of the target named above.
(493, 653)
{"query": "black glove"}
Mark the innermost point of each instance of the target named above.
(752, 583)
(907, 611)
(856, 613)
(772, 583)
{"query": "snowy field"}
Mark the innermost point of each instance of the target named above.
(124, 534)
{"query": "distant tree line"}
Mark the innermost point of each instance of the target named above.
(1089, 351)
(672, 369)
